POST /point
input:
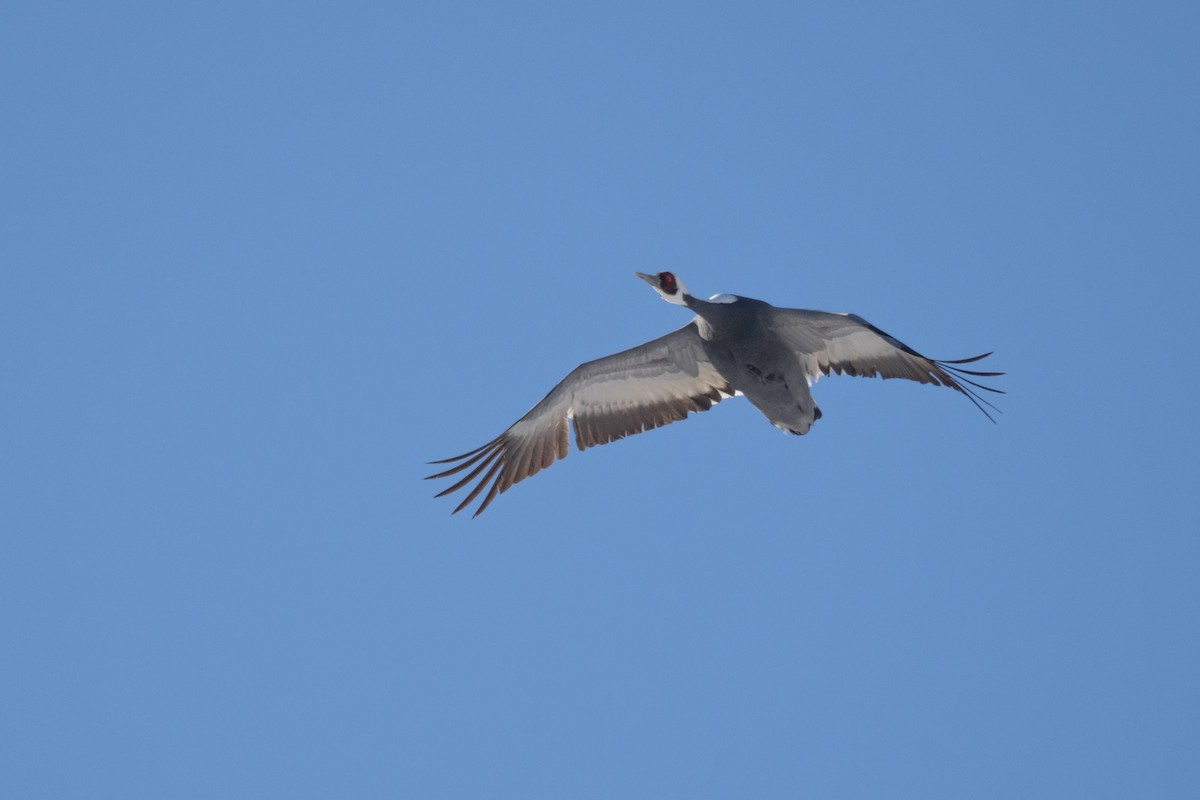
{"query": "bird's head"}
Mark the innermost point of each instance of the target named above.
(669, 287)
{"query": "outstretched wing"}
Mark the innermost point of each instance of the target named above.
(650, 385)
(847, 344)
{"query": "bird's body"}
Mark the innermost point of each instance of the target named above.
(739, 340)
(734, 345)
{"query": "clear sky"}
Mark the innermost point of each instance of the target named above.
(259, 262)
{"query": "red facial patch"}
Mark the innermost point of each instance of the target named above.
(667, 282)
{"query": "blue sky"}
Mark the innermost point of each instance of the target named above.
(262, 261)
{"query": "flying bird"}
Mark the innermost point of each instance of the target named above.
(733, 346)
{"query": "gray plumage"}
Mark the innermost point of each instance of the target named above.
(734, 345)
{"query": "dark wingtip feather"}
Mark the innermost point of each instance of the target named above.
(464, 455)
(970, 360)
(968, 386)
(487, 477)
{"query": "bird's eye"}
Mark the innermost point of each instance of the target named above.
(667, 281)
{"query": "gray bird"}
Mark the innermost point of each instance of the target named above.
(734, 346)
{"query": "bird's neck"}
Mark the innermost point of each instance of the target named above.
(697, 305)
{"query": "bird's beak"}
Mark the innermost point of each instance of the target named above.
(650, 279)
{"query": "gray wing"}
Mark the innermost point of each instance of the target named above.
(828, 342)
(647, 386)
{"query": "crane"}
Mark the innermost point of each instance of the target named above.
(734, 346)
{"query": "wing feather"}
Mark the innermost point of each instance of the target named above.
(645, 387)
(826, 342)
